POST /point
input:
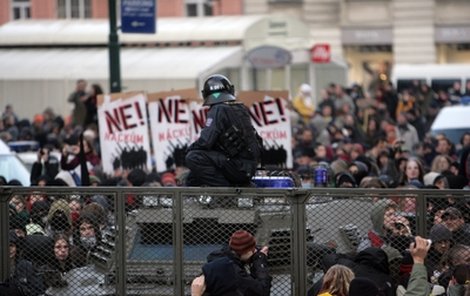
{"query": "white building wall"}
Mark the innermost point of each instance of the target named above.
(413, 31)
(323, 18)
(255, 6)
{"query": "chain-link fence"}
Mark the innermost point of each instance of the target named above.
(154, 241)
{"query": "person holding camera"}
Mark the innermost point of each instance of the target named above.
(45, 167)
(387, 226)
(239, 269)
(418, 282)
(391, 232)
(70, 159)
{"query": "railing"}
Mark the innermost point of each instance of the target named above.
(154, 240)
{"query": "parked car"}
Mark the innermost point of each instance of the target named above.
(27, 152)
(11, 167)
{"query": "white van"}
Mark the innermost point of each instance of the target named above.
(453, 121)
(438, 76)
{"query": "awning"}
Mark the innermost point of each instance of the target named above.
(251, 30)
(136, 63)
(95, 31)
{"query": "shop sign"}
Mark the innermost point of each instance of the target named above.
(267, 57)
(321, 53)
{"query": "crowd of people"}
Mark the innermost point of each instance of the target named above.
(363, 140)
(379, 140)
(51, 235)
(385, 255)
(382, 140)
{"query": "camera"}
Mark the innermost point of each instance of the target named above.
(402, 228)
(429, 242)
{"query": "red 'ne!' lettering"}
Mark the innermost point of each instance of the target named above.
(255, 113)
(121, 118)
(267, 112)
(172, 111)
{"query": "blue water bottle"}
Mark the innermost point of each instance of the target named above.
(320, 176)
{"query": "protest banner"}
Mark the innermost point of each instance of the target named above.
(124, 133)
(171, 126)
(271, 118)
(177, 118)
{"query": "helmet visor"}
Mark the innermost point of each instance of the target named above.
(218, 97)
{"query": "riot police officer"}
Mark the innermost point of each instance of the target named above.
(228, 149)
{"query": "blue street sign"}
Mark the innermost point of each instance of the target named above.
(138, 16)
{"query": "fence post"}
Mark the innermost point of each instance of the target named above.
(299, 241)
(4, 228)
(421, 211)
(178, 243)
(121, 244)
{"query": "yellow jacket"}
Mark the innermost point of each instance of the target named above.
(304, 110)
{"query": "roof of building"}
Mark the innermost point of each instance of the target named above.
(136, 63)
(171, 31)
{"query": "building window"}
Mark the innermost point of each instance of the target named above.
(199, 8)
(21, 9)
(68, 9)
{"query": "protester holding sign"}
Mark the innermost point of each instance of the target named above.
(91, 157)
(228, 149)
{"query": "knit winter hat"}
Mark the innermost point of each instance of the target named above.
(242, 241)
(439, 233)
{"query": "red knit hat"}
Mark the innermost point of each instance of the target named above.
(242, 241)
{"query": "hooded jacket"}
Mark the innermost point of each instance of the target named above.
(59, 218)
(377, 216)
(376, 236)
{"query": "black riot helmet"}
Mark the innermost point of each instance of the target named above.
(217, 89)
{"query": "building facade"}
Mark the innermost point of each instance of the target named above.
(369, 35)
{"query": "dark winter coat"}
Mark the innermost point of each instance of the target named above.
(25, 280)
(225, 274)
(371, 263)
(228, 149)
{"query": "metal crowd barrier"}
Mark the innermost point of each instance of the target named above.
(154, 240)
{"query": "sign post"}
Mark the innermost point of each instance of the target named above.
(113, 48)
(319, 54)
(138, 16)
